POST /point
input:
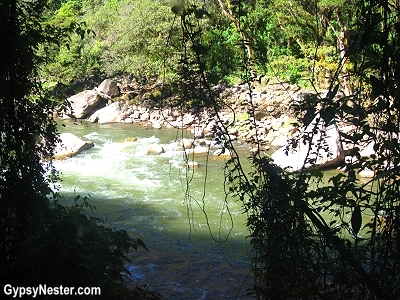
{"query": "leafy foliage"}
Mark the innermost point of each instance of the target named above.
(351, 233)
(128, 37)
(319, 236)
(42, 241)
(76, 249)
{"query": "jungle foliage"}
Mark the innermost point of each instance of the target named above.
(284, 40)
(44, 239)
(315, 235)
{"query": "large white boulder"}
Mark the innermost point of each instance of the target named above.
(368, 150)
(109, 87)
(84, 104)
(112, 113)
(70, 145)
(318, 145)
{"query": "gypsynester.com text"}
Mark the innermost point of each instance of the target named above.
(44, 290)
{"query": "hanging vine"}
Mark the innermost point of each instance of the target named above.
(315, 237)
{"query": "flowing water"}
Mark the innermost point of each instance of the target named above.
(145, 195)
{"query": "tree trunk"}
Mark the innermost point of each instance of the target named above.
(342, 44)
(243, 35)
(341, 47)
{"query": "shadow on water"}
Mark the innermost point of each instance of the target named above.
(180, 264)
(145, 195)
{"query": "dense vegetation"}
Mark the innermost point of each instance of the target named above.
(316, 237)
(43, 239)
(141, 38)
(351, 46)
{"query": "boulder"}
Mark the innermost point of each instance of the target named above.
(197, 131)
(156, 125)
(186, 143)
(109, 87)
(128, 140)
(84, 104)
(367, 173)
(70, 145)
(155, 150)
(183, 121)
(326, 148)
(128, 120)
(200, 150)
(113, 113)
(233, 131)
(192, 164)
(368, 150)
(224, 153)
(145, 116)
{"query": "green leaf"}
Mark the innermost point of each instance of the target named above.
(201, 49)
(332, 93)
(200, 13)
(309, 116)
(377, 87)
(356, 219)
(177, 9)
(328, 114)
(142, 244)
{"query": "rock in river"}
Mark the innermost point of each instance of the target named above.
(70, 145)
(109, 87)
(84, 104)
(318, 144)
(155, 149)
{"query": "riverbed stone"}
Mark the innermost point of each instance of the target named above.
(187, 119)
(128, 120)
(368, 150)
(224, 153)
(192, 164)
(367, 173)
(130, 139)
(199, 150)
(155, 149)
(197, 131)
(70, 145)
(145, 116)
(318, 145)
(156, 125)
(113, 113)
(84, 104)
(109, 87)
(186, 143)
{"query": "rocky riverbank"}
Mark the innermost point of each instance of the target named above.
(126, 101)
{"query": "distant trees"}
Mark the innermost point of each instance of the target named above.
(128, 37)
(284, 39)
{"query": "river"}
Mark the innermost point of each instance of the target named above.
(145, 195)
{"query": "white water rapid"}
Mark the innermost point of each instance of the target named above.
(145, 195)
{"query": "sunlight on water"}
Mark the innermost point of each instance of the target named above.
(145, 195)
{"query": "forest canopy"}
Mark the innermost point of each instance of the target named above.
(287, 40)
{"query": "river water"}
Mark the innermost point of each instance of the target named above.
(145, 195)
